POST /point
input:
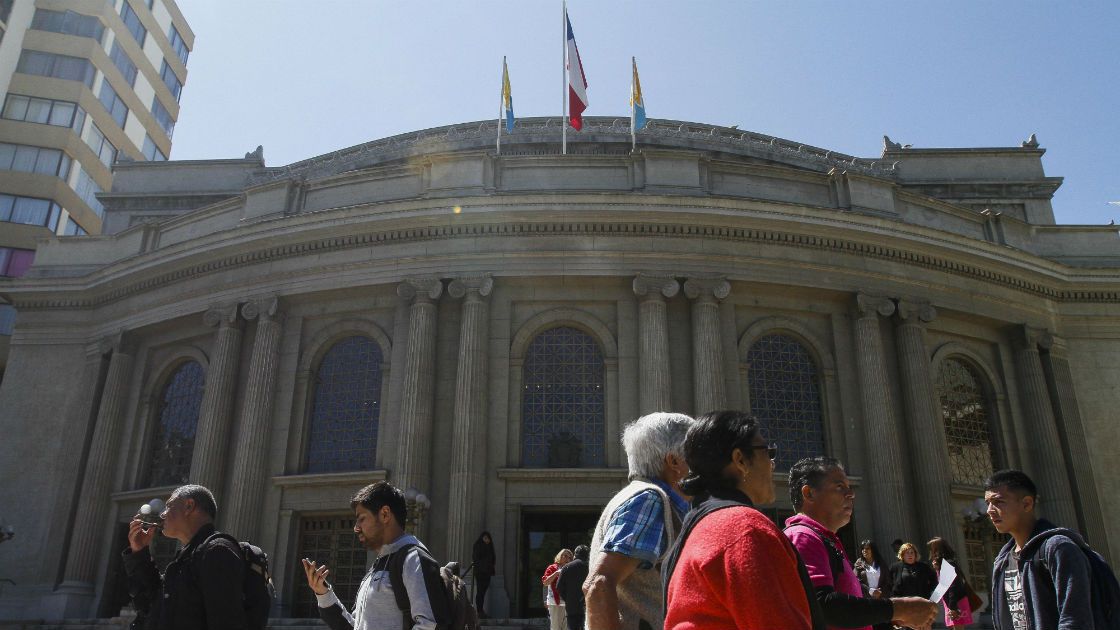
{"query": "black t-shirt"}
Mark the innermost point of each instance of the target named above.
(1013, 589)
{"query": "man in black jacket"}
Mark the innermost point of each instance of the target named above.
(570, 586)
(203, 585)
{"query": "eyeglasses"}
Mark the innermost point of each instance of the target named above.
(771, 449)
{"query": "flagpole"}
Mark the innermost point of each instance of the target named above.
(633, 73)
(501, 105)
(564, 81)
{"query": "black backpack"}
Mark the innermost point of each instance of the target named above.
(447, 596)
(835, 555)
(258, 589)
(1105, 593)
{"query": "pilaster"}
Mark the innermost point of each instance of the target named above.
(654, 385)
(707, 346)
(211, 444)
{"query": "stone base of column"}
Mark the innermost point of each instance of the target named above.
(71, 600)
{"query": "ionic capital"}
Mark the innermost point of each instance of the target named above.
(420, 289)
(119, 342)
(268, 309)
(869, 305)
(471, 286)
(1027, 337)
(707, 289)
(653, 287)
(224, 315)
(915, 312)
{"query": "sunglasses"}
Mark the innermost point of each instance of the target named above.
(771, 449)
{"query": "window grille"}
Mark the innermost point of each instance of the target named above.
(964, 409)
(785, 395)
(346, 407)
(562, 401)
(173, 442)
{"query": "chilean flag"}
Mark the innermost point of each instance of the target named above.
(577, 81)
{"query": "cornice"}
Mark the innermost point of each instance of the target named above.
(101, 291)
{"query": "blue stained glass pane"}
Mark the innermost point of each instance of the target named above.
(562, 405)
(173, 443)
(786, 398)
(346, 407)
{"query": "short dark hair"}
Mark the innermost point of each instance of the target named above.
(377, 495)
(709, 445)
(809, 471)
(582, 552)
(202, 497)
(1013, 480)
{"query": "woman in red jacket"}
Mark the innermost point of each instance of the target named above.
(732, 568)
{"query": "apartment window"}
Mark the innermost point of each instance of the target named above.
(87, 189)
(163, 117)
(29, 159)
(30, 211)
(132, 22)
(73, 229)
(104, 149)
(44, 111)
(170, 80)
(7, 319)
(113, 104)
(151, 151)
(178, 44)
(123, 63)
(15, 262)
(68, 23)
(46, 64)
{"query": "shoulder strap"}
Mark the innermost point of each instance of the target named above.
(835, 555)
(690, 521)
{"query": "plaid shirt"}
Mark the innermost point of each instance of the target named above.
(637, 527)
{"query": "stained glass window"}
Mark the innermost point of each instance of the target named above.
(785, 393)
(346, 406)
(328, 540)
(563, 409)
(964, 409)
(173, 443)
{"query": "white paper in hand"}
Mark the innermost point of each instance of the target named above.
(948, 574)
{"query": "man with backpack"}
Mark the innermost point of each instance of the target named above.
(404, 589)
(824, 499)
(204, 586)
(1045, 576)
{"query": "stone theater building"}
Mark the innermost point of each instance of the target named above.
(478, 328)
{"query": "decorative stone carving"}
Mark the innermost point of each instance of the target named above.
(224, 315)
(705, 289)
(420, 289)
(914, 312)
(481, 285)
(264, 308)
(656, 286)
(1031, 142)
(871, 304)
(890, 146)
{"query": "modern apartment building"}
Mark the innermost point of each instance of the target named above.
(84, 83)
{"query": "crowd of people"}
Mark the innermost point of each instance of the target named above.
(683, 546)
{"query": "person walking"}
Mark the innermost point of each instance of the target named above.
(732, 568)
(203, 585)
(570, 585)
(958, 610)
(485, 565)
(552, 600)
(875, 575)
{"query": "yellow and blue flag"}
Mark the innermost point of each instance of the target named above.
(507, 97)
(637, 105)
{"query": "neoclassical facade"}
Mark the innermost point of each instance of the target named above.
(477, 328)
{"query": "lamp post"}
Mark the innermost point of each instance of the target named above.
(418, 505)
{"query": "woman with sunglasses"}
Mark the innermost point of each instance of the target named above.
(732, 568)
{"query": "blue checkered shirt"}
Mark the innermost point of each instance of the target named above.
(637, 527)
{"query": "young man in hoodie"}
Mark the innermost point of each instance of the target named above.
(380, 511)
(1041, 579)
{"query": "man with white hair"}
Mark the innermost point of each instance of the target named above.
(638, 527)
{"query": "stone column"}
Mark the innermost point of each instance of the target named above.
(1060, 379)
(97, 483)
(1045, 457)
(885, 475)
(928, 454)
(654, 385)
(707, 346)
(249, 478)
(415, 434)
(211, 442)
(466, 513)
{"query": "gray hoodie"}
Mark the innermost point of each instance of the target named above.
(375, 608)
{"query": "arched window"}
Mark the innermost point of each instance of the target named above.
(345, 408)
(785, 394)
(965, 410)
(563, 407)
(177, 420)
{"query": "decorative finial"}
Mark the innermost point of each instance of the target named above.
(890, 146)
(1031, 142)
(256, 155)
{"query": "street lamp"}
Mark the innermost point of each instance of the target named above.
(418, 505)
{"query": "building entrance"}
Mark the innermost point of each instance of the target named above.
(543, 534)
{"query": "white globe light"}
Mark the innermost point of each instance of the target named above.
(145, 509)
(422, 500)
(410, 494)
(156, 505)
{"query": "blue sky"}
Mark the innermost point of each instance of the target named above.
(305, 78)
